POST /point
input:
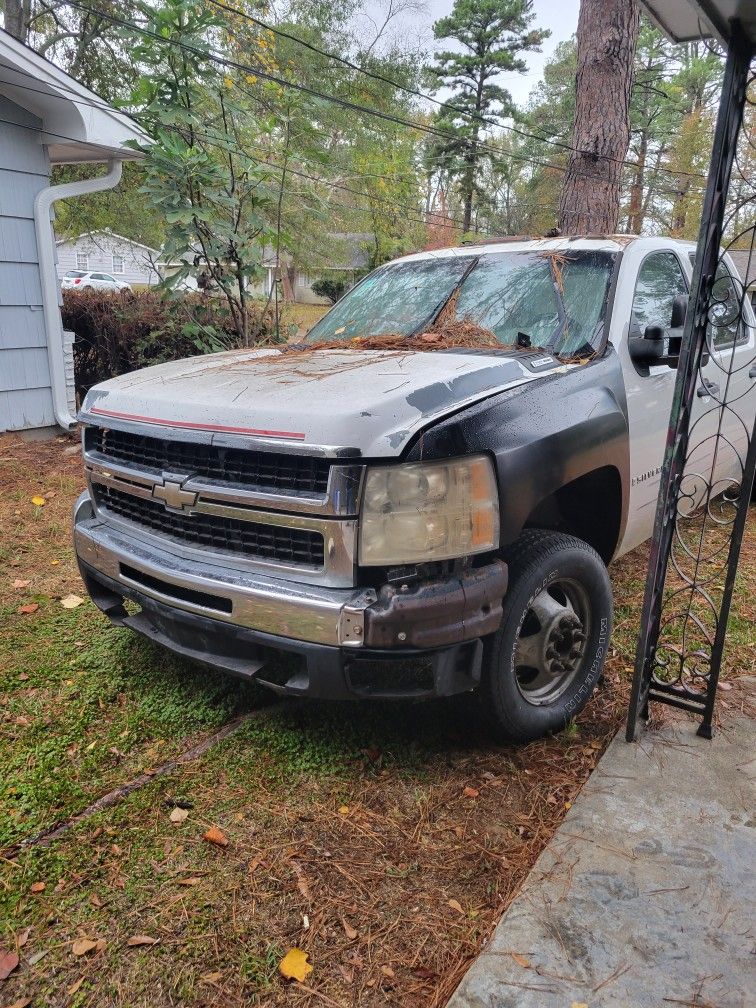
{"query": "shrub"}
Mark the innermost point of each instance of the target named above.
(332, 290)
(116, 333)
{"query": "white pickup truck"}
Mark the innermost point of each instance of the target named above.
(420, 519)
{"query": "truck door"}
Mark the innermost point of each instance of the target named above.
(648, 284)
(728, 378)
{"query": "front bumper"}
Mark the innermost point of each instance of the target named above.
(235, 621)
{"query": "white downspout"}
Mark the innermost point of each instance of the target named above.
(49, 278)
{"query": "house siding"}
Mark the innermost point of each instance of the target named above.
(25, 395)
(100, 248)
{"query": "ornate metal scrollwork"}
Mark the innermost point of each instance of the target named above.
(708, 472)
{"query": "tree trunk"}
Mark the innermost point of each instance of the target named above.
(635, 209)
(606, 36)
(16, 15)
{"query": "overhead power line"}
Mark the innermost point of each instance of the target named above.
(475, 116)
(343, 102)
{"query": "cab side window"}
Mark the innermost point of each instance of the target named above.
(660, 281)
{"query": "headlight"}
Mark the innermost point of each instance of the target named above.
(428, 511)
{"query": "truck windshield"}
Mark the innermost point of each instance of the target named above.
(557, 299)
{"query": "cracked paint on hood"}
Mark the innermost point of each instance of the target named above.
(368, 403)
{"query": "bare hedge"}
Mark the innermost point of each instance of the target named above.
(120, 332)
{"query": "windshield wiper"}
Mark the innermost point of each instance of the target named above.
(429, 319)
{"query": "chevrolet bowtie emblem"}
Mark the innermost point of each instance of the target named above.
(173, 496)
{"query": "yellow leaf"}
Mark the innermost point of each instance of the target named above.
(294, 965)
(178, 815)
(578, 1004)
(456, 905)
(344, 810)
(38, 501)
(71, 601)
(521, 960)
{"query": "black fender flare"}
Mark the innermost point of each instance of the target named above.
(541, 437)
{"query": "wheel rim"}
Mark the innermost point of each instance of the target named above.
(550, 648)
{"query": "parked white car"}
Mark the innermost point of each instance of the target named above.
(80, 280)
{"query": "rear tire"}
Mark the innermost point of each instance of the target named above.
(542, 665)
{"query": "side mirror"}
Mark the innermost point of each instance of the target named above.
(648, 348)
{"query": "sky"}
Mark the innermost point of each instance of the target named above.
(560, 16)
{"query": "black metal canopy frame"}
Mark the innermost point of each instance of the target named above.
(701, 513)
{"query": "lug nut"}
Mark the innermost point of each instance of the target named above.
(401, 636)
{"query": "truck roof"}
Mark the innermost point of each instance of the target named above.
(606, 243)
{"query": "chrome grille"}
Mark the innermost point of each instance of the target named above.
(270, 472)
(251, 539)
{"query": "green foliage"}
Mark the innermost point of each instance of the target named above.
(213, 197)
(332, 290)
(116, 333)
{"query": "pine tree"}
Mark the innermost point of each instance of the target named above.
(492, 34)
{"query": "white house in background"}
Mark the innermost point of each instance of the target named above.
(107, 252)
(348, 260)
(46, 118)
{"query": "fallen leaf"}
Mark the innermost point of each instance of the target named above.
(347, 975)
(21, 1003)
(456, 905)
(178, 815)
(55, 562)
(343, 810)
(724, 685)
(30, 607)
(521, 960)
(255, 863)
(18, 583)
(470, 792)
(36, 887)
(211, 977)
(136, 940)
(75, 986)
(71, 601)
(23, 676)
(216, 836)
(302, 884)
(294, 965)
(84, 945)
(578, 1004)
(568, 804)
(348, 929)
(8, 962)
(38, 501)
(189, 881)
(387, 971)
(34, 959)
(95, 900)
(23, 938)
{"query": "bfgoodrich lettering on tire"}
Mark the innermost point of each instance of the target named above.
(541, 666)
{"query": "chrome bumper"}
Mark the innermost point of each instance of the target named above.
(270, 605)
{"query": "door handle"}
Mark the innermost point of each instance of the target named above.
(752, 372)
(707, 389)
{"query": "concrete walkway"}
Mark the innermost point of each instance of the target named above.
(646, 895)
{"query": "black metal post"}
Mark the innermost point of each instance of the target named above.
(654, 678)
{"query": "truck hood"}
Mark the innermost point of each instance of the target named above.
(356, 402)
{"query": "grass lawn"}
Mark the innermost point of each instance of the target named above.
(384, 840)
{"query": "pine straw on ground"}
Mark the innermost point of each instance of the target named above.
(384, 840)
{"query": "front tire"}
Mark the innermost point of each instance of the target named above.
(542, 665)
